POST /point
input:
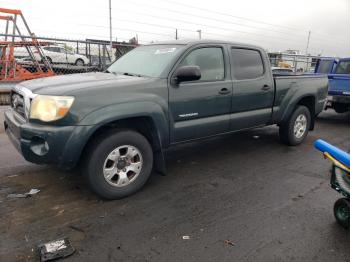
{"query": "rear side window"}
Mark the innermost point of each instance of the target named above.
(325, 66)
(55, 49)
(247, 63)
(210, 61)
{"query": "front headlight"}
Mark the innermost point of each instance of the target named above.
(50, 108)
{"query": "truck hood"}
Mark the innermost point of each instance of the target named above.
(70, 84)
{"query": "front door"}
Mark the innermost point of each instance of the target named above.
(202, 108)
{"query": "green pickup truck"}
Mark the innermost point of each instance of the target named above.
(117, 125)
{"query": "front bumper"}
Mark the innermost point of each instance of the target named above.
(45, 144)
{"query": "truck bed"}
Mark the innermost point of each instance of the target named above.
(290, 89)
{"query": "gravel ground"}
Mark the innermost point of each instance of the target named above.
(240, 197)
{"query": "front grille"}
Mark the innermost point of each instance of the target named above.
(17, 103)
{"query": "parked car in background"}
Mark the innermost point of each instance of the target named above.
(55, 54)
(119, 123)
(60, 55)
(338, 71)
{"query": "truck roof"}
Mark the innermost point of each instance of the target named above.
(196, 42)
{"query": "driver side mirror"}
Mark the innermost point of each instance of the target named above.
(186, 73)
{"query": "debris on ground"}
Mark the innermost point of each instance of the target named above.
(256, 137)
(33, 191)
(185, 237)
(229, 242)
(60, 248)
(76, 228)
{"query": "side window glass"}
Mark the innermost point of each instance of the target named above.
(247, 63)
(343, 67)
(210, 61)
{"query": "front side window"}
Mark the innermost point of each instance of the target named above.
(343, 67)
(247, 63)
(210, 61)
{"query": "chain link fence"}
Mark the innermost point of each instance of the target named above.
(73, 56)
(64, 56)
(296, 62)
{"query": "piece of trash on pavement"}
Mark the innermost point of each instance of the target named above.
(77, 228)
(229, 242)
(33, 191)
(256, 137)
(60, 248)
(185, 237)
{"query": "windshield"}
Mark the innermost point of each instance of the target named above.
(145, 60)
(343, 67)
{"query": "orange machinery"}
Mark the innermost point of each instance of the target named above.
(10, 70)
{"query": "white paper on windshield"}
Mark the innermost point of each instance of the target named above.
(165, 50)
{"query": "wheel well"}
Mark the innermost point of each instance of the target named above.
(143, 125)
(309, 102)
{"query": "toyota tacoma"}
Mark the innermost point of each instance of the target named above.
(118, 124)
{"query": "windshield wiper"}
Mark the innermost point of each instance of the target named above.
(130, 74)
(109, 72)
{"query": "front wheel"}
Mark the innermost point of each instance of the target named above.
(295, 129)
(342, 212)
(118, 163)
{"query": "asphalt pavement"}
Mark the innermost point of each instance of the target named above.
(239, 197)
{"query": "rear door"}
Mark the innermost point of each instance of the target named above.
(54, 53)
(253, 88)
(201, 108)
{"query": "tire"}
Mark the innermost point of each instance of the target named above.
(49, 60)
(340, 108)
(79, 62)
(342, 212)
(287, 129)
(98, 164)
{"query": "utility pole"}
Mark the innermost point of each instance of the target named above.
(176, 37)
(308, 42)
(199, 33)
(110, 23)
(307, 50)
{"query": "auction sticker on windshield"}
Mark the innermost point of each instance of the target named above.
(165, 50)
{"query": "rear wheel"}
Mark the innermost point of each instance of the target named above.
(79, 62)
(296, 128)
(342, 212)
(118, 164)
(49, 60)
